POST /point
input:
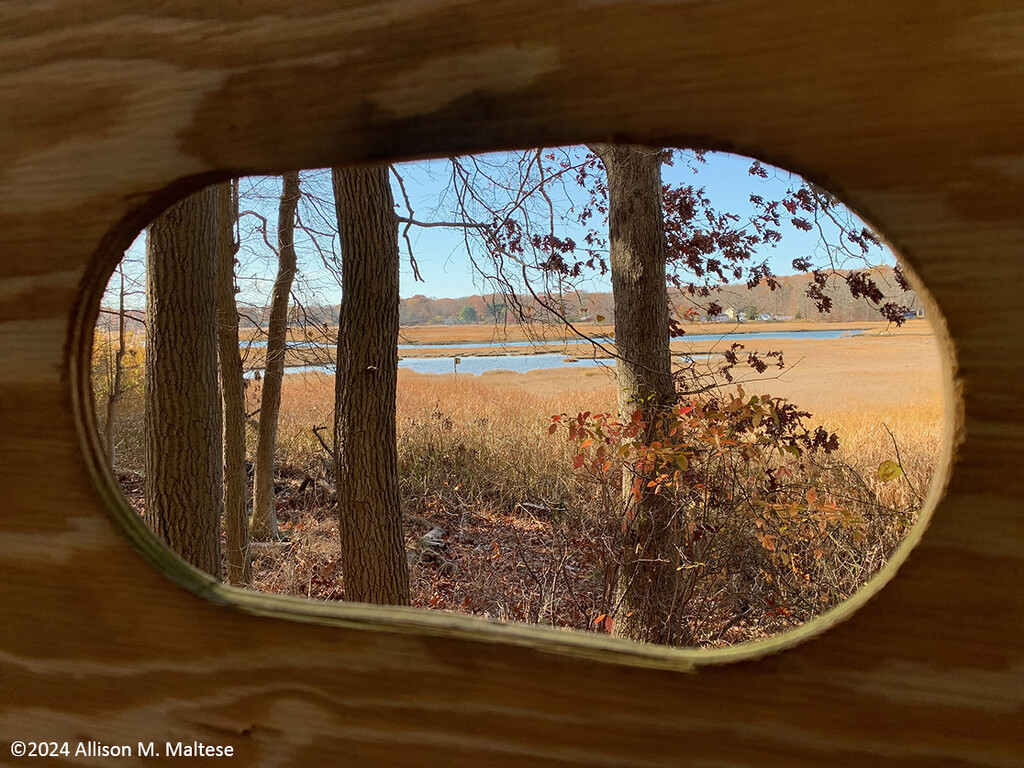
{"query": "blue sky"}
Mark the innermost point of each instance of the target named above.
(442, 256)
(441, 253)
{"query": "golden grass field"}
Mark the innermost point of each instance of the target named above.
(858, 386)
(474, 449)
(523, 530)
(853, 385)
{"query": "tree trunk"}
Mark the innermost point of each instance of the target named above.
(116, 384)
(183, 464)
(232, 386)
(373, 546)
(652, 589)
(264, 508)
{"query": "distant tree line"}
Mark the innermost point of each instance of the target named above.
(788, 301)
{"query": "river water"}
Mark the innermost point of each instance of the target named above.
(727, 338)
(478, 364)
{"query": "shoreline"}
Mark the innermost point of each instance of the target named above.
(306, 353)
(494, 334)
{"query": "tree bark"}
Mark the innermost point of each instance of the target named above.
(652, 589)
(373, 546)
(232, 387)
(183, 463)
(264, 511)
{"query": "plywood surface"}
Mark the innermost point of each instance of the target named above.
(111, 109)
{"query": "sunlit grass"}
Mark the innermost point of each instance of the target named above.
(488, 434)
(528, 535)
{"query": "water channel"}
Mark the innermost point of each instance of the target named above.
(477, 364)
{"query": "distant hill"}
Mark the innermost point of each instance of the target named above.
(788, 301)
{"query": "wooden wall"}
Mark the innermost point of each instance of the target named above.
(912, 111)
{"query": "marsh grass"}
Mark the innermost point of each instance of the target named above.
(527, 538)
(499, 524)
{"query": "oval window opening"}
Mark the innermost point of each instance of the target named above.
(679, 397)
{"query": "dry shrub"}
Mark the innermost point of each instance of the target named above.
(754, 519)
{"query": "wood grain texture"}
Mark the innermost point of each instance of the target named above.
(111, 110)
